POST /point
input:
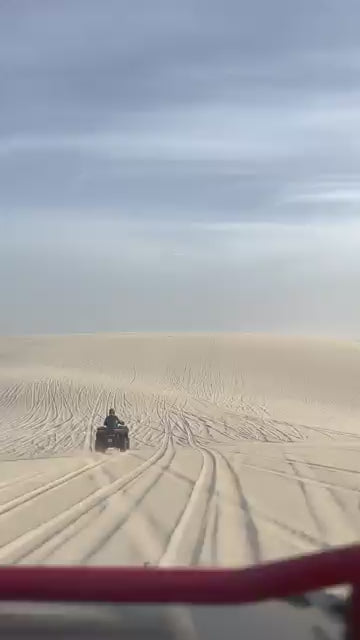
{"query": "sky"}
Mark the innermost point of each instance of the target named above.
(180, 166)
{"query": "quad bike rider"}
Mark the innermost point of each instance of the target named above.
(114, 434)
(111, 421)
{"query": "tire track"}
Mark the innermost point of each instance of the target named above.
(252, 536)
(184, 545)
(27, 542)
(308, 463)
(90, 426)
(301, 479)
(127, 513)
(35, 493)
(4, 486)
(64, 546)
(244, 536)
(232, 532)
(309, 501)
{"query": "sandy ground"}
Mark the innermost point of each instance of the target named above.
(244, 448)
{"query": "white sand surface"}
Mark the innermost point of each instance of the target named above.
(245, 448)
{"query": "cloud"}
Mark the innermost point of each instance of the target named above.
(336, 196)
(219, 129)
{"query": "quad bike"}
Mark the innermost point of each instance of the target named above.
(281, 600)
(117, 438)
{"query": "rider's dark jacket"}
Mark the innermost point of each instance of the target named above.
(111, 422)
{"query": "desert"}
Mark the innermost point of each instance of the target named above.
(244, 448)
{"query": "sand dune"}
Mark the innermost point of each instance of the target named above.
(244, 448)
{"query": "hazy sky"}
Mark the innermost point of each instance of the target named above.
(180, 165)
